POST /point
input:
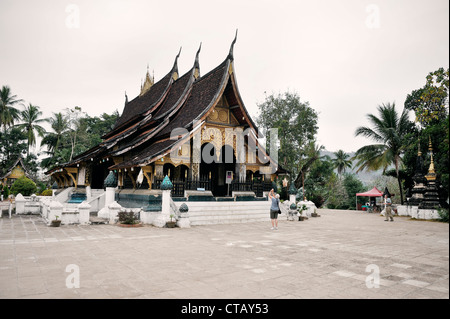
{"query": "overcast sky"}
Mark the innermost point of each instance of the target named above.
(345, 57)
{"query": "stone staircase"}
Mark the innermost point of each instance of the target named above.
(77, 197)
(227, 212)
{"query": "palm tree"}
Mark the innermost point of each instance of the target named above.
(341, 162)
(60, 125)
(389, 131)
(31, 120)
(8, 113)
(311, 154)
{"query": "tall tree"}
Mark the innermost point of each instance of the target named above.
(12, 145)
(430, 103)
(297, 126)
(307, 158)
(341, 161)
(59, 126)
(54, 139)
(31, 120)
(388, 131)
(8, 113)
(74, 117)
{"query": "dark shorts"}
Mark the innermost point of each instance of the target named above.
(273, 214)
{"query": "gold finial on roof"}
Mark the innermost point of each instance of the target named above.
(148, 82)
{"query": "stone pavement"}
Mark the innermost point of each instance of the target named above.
(336, 255)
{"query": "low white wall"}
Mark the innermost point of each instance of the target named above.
(148, 217)
(415, 212)
(70, 217)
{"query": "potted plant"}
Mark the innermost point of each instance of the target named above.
(128, 219)
(56, 222)
(171, 223)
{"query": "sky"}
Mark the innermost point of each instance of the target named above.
(344, 57)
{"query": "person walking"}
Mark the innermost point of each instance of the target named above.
(388, 208)
(274, 208)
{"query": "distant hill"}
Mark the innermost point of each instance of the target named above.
(365, 176)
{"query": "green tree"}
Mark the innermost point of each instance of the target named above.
(59, 126)
(317, 180)
(31, 124)
(74, 119)
(353, 186)
(96, 127)
(306, 160)
(24, 186)
(73, 133)
(438, 132)
(337, 195)
(430, 103)
(297, 126)
(12, 145)
(389, 131)
(53, 140)
(341, 161)
(8, 113)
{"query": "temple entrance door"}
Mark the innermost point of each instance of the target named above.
(228, 164)
(209, 166)
(98, 174)
(216, 170)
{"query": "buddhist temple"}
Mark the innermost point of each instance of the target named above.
(419, 181)
(431, 194)
(193, 128)
(16, 171)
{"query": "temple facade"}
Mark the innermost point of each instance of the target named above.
(194, 129)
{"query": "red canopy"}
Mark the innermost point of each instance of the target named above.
(374, 192)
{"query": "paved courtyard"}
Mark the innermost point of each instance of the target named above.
(341, 254)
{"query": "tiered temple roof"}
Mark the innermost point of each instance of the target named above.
(142, 133)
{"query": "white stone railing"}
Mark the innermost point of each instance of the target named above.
(97, 203)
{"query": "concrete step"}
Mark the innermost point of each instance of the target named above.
(98, 220)
(204, 213)
(204, 218)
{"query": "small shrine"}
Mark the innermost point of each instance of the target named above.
(16, 171)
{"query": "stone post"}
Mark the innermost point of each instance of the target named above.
(88, 192)
(292, 193)
(110, 184)
(292, 213)
(84, 212)
(164, 216)
(20, 204)
(114, 209)
(184, 221)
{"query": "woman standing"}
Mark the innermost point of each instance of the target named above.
(274, 208)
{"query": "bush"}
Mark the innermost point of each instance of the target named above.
(24, 186)
(128, 218)
(47, 192)
(6, 192)
(317, 200)
(443, 213)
